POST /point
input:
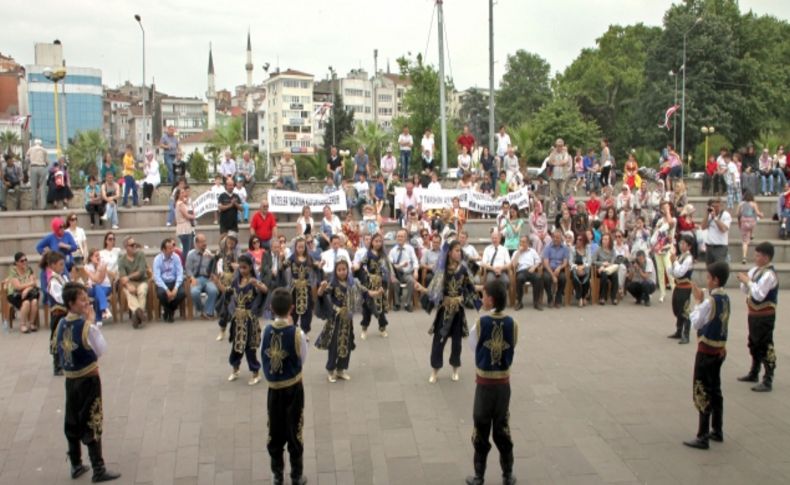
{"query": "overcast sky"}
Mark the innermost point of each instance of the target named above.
(310, 35)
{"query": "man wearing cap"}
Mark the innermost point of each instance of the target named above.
(133, 273)
(388, 163)
(38, 174)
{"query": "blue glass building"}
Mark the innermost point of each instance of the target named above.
(79, 103)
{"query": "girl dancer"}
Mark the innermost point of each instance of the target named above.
(224, 266)
(375, 275)
(301, 277)
(336, 303)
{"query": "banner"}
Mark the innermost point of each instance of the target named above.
(469, 199)
(206, 202)
(288, 202)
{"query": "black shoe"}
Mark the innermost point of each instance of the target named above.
(763, 387)
(683, 340)
(749, 378)
(396, 308)
(647, 301)
(638, 301)
(519, 306)
(539, 308)
(474, 480)
(509, 479)
(698, 443)
(104, 475)
(78, 471)
(716, 436)
(301, 480)
(408, 309)
(674, 335)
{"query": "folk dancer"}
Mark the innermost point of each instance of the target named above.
(375, 274)
(337, 301)
(682, 270)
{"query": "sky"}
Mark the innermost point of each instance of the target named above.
(310, 35)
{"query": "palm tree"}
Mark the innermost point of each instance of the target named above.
(86, 150)
(228, 135)
(371, 137)
(9, 140)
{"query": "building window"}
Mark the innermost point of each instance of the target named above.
(385, 98)
(385, 111)
(353, 92)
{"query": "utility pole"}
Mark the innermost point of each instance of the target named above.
(145, 92)
(442, 96)
(491, 76)
(375, 93)
(683, 114)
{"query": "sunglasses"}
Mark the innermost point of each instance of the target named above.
(111, 238)
(23, 260)
(72, 218)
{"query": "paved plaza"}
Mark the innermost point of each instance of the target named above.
(599, 396)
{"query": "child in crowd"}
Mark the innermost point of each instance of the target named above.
(79, 345)
(710, 318)
(329, 186)
(379, 193)
(181, 184)
(502, 186)
(242, 193)
(493, 340)
(54, 265)
(283, 354)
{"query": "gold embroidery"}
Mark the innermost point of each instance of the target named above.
(68, 346)
(95, 418)
(701, 401)
(686, 309)
(276, 353)
(301, 289)
(241, 316)
(770, 356)
(300, 428)
(497, 344)
(506, 427)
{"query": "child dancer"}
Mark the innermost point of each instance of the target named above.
(375, 272)
(301, 276)
(245, 328)
(224, 266)
(682, 269)
(54, 266)
(336, 303)
(283, 353)
(79, 345)
(450, 290)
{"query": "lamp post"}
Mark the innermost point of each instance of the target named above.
(334, 121)
(56, 75)
(707, 131)
(145, 92)
(683, 114)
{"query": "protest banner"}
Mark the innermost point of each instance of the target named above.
(469, 199)
(288, 202)
(206, 202)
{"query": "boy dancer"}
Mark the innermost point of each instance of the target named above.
(710, 318)
(682, 269)
(493, 340)
(762, 289)
(79, 344)
(283, 353)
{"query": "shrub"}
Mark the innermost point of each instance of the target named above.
(198, 166)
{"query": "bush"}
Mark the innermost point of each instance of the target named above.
(647, 157)
(715, 142)
(261, 170)
(198, 167)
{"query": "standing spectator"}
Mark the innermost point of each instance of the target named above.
(23, 292)
(241, 191)
(181, 183)
(245, 170)
(405, 144)
(511, 167)
(747, 214)
(749, 170)
(264, 225)
(77, 233)
(591, 170)
(404, 264)
(712, 181)
(198, 269)
(427, 143)
(780, 164)
(169, 144)
(607, 163)
(487, 163)
(168, 276)
(129, 183)
(228, 166)
(108, 167)
(10, 184)
(718, 225)
(133, 280)
(642, 278)
(110, 192)
(502, 142)
(527, 264)
(662, 240)
(334, 165)
(733, 180)
(59, 184)
(185, 221)
(58, 241)
(361, 164)
(560, 163)
(388, 164)
(287, 173)
(555, 260)
(466, 139)
(152, 178)
(229, 205)
(94, 203)
(766, 172)
(38, 174)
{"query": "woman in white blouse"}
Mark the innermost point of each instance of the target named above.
(109, 255)
(305, 223)
(152, 178)
(102, 286)
(77, 233)
(464, 162)
(330, 225)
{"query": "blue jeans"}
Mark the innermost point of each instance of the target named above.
(204, 285)
(338, 176)
(111, 213)
(129, 185)
(784, 224)
(169, 159)
(289, 183)
(246, 210)
(186, 242)
(100, 295)
(171, 212)
(781, 180)
(405, 160)
(769, 178)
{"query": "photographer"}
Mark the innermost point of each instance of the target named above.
(717, 224)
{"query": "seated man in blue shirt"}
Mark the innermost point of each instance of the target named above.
(169, 279)
(555, 260)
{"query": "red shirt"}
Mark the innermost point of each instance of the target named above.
(263, 226)
(593, 206)
(787, 201)
(467, 141)
(711, 167)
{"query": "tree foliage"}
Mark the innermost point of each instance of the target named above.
(524, 88)
(341, 120)
(371, 137)
(559, 118)
(9, 140)
(474, 112)
(86, 150)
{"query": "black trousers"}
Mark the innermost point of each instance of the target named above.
(608, 286)
(286, 420)
(492, 410)
(95, 211)
(523, 277)
(761, 339)
(714, 254)
(305, 320)
(170, 306)
(455, 336)
(556, 295)
(641, 290)
(367, 315)
(707, 392)
(681, 302)
(83, 412)
(581, 284)
(148, 191)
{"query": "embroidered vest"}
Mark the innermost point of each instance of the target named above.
(497, 335)
(686, 278)
(281, 354)
(712, 338)
(74, 352)
(768, 304)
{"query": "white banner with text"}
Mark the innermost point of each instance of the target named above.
(468, 199)
(288, 202)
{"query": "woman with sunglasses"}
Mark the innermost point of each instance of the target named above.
(77, 233)
(22, 287)
(109, 255)
(255, 251)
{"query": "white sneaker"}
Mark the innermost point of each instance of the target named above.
(233, 376)
(99, 323)
(384, 333)
(434, 377)
(168, 224)
(455, 376)
(221, 335)
(363, 335)
(661, 299)
(332, 377)
(343, 375)
(256, 378)
(104, 217)
(107, 315)
(115, 226)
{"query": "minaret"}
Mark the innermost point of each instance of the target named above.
(211, 94)
(248, 68)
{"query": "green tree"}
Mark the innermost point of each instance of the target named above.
(474, 112)
(86, 150)
(9, 140)
(524, 89)
(198, 166)
(608, 80)
(229, 135)
(370, 136)
(559, 118)
(341, 120)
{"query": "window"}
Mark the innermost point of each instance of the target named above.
(353, 92)
(385, 111)
(385, 98)
(367, 94)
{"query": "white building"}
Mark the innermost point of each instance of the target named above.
(289, 110)
(377, 98)
(188, 115)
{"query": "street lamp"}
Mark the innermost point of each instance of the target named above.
(145, 128)
(56, 75)
(707, 131)
(683, 114)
